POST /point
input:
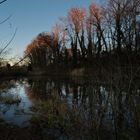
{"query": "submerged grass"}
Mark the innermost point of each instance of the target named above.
(10, 99)
(55, 116)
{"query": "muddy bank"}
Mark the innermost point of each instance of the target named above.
(11, 132)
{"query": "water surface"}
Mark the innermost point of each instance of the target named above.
(113, 110)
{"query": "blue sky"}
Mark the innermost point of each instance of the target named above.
(32, 17)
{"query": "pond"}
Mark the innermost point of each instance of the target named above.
(85, 109)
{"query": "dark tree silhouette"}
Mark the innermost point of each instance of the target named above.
(83, 36)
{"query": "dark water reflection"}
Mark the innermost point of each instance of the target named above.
(109, 110)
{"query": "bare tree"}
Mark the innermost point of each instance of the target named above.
(39, 51)
(76, 22)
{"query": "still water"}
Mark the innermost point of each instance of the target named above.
(102, 106)
(17, 113)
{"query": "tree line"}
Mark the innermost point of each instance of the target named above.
(86, 34)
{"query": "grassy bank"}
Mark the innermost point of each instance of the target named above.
(13, 71)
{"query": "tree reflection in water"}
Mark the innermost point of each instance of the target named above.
(78, 108)
(105, 111)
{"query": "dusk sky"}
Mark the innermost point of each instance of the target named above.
(32, 17)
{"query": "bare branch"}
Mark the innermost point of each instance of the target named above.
(9, 42)
(6, 19)
(22, 59)
(3, 1)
